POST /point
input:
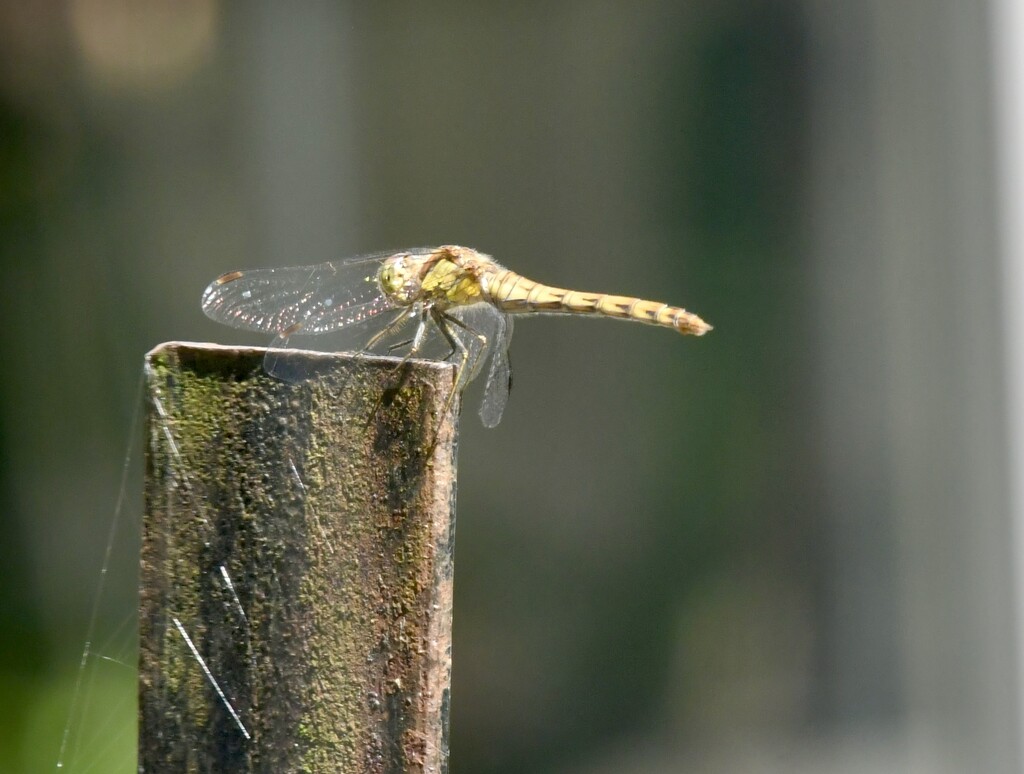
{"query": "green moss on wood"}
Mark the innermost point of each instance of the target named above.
(323, 503)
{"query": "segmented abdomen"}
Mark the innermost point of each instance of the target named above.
(515, 294)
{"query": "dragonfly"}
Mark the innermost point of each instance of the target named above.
(464, 295)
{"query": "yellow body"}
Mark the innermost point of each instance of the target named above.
(453, 276)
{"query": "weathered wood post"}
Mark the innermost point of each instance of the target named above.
(296, 585)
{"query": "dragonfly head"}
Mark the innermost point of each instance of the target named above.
(399, 279)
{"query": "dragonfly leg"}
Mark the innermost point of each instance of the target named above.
(443, 321)
(395, 325)
(416, 341)
(403, 317)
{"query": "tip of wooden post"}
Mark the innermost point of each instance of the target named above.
(227, 350)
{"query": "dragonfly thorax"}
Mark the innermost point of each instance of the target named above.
(443, 278)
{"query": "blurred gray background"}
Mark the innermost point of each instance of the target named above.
(784, 547)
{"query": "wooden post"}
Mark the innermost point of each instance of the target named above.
(296, 584)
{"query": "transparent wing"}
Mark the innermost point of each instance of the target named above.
(301, 300)
(298, 299)
(499, 378)
(496, 328)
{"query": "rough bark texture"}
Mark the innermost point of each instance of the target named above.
(297, 564)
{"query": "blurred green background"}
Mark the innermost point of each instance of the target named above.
(783, 547)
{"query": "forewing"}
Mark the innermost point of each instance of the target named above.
(298, 299)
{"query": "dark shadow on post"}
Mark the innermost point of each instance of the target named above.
(296, 589)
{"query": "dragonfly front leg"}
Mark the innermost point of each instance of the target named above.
(416, 341)
(403, 317)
